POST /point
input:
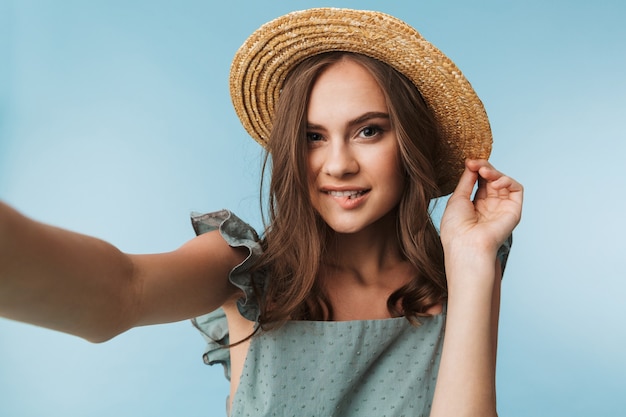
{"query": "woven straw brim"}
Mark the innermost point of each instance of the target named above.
(265, 59)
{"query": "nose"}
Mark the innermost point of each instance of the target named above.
(340, 160)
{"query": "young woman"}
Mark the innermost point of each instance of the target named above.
(340, 309)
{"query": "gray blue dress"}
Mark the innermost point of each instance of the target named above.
(323, 368)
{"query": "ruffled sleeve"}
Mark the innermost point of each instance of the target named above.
(503, 252)
(213, 326)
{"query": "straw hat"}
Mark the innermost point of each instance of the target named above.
(262, 63)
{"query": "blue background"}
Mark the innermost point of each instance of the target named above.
(115, 121)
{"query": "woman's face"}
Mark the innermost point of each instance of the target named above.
(353, 159)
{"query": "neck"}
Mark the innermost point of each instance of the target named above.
(371, 257)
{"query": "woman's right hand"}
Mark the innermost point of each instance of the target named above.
(81, 285)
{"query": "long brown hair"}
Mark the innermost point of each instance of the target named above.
(295, 236)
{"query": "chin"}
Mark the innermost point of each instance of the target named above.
(352, 223)
(346, 230)
(342, 227)
(349, 227)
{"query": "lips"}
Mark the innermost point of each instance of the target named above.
(350, 194)
(347, 198)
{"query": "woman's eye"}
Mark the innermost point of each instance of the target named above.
(370, 131)
(313, 137)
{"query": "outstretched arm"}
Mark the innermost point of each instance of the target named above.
(83, 286)
(471, 233)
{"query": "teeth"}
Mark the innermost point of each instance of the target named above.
(349, 194)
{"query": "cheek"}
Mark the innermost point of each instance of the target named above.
(311, 176)
(395, 174)
(389, 163)
(312, 167)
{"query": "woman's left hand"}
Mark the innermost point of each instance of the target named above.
(488, 220)
(471, 233)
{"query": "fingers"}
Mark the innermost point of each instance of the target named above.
(505, 182)
(483, 168)
(490, 180)
(475, 170)
(466, 183)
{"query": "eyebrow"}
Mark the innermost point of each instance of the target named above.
(361, 119)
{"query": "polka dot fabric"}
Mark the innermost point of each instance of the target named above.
(352, 368)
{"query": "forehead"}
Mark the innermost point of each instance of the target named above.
(348, 68)
(345, 87)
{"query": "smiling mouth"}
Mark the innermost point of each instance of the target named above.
(347, 194)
